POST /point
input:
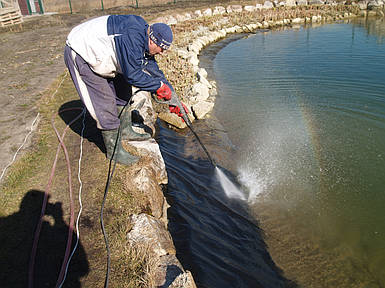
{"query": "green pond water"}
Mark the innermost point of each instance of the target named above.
(305, 110)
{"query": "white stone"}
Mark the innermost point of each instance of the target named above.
(297, 20)
(268, 5)
(148, 230)
(235, 8)
(201, 109)
(193, 59)
(171, 20)
(202, 73)
(219, 10)
(290, 3)
(249, 8)
(200, 92)
(301, 2)
(183, 53)
(198, 13)
(265, 24)
(208, 12)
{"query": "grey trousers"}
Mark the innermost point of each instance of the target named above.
(100, 95)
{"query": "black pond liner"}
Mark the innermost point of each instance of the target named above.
(214, 236)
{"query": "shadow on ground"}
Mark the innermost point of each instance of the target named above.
(16, 238)
(71, 110)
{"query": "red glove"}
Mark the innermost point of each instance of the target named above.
(164, 92)
(176, 110)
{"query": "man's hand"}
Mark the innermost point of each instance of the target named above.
(164, 92)
(176, 110)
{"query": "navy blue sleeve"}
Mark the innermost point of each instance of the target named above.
(130, 54)
(153, 68)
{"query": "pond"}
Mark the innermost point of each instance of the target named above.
(304, 110)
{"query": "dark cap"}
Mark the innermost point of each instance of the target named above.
(161, 34)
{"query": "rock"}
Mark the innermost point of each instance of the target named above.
(290, 3)
(363, 5)
(193, 59)
(170, 274)
(234, 8)
(268, 5)
(198, 13)
(301, 2)
(315, 2)
(200, 91)
(297, 20)
(149, 231)
(174, 120)
(202, 73)
(201, 109)
(146, 111)
(183, 53)
(208, 12)
(183, 17)
(375, 4)
(219, 10)
(170, 20)
(150, 148)
(143, 178)
(249, 8)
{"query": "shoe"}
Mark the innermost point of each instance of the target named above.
(126, 124)
(120, 155)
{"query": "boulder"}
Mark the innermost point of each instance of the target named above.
(201, 109)
(249, 8)
(290, 3)
(198, 13)
(301, 2)
(234, 8)
(219, 10)
(315, 2)
(146, 230)
(200, 92)
(268, 5)
(208, 12)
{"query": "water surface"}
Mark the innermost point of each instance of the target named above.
(305, 111)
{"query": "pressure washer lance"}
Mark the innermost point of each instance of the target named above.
(174, 101)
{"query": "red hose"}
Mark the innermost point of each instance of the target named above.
(44, 205)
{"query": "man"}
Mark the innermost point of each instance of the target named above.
(106, 55)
